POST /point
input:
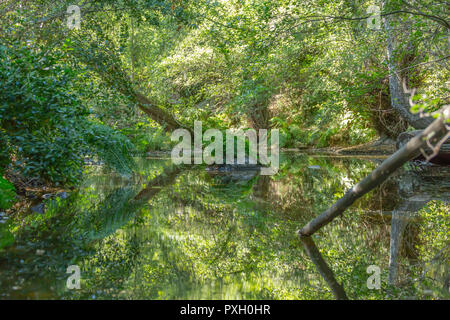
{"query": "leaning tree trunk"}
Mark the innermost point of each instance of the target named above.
(443, 155)
(433, 134)
(399, 101)
(108, 67)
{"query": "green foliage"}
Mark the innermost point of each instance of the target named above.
(38, 114)
(197, 236)
(435, 226)
(73, 95)
(148, 138)
(7, 193)
(113, 148)
(6, 236)
(44, 122)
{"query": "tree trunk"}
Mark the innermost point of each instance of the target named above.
(107, 65)
(156, 113)
(399, 101)
(442, 158)
(435, 132)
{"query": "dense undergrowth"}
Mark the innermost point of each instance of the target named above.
(71, 94)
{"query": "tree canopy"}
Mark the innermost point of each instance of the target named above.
(134, 71)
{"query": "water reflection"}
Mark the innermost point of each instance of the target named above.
(186, 233)
(323, 268)
(416, 189)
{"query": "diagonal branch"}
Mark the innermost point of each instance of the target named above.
(434, 132)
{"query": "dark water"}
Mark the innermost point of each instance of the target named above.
(185, 233)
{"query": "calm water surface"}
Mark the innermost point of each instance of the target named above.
(188, 233)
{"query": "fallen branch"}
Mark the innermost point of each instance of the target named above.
(432, 134)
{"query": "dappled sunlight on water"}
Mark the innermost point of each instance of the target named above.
(185, 233)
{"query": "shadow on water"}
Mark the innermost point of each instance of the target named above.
(186, 233)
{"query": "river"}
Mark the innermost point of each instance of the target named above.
(188, 233)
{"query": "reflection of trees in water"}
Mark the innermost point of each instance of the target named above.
(261, 188)
(307, 185)
(201, 228)
(395, 204)
(419, 248)
(323, 268)
(72, 232)
(398, 239)
(375, 217)
(416, 190)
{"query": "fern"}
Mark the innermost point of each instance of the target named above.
(113, 148)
